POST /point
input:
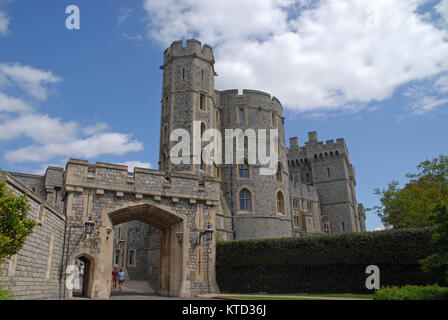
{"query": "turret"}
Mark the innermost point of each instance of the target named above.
(187, 96)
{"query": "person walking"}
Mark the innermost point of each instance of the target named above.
(115, 277)
(121, 279)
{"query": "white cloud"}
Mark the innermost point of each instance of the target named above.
(428, 95)
(321, 56)
(124, 14)
(11, 104)
(427, 103)
(4, 23)
(53, 138)
(40, 128)
(137, 37)
(442, 84)
(136, 164)
(96, 128)
(30, 79)
(106, 143)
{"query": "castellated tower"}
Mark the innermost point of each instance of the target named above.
(327, 168)
(259, 203)
(187, 96)
(313, 189)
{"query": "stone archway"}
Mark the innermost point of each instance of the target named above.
(173, 252)
(171, 255)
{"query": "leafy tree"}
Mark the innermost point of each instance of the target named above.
(15, 227)
(439, 261)
(414, 205)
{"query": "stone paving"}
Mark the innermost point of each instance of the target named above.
(140, 290)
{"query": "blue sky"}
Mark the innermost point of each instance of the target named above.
(375, 74)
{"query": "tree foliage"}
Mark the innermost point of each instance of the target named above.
(439, 260)
(15, 227)
(414, 205)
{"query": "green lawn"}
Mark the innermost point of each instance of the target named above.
(289, 296)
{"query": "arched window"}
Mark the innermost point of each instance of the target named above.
(278, 174)
(245, 200)
(280, 203)
(244, 170)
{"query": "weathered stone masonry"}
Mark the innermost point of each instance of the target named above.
(34, 273)
(110, 195)
(166, 214)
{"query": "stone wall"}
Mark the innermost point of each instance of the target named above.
(33, 182)
(264, 219)
(181, 208)
(34, 273)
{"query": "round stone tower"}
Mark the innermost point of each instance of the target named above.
(260, 204)
(187, 96)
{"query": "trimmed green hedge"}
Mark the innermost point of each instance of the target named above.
(431, 292)
(329, 263)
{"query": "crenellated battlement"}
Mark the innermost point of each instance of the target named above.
(251, 98)
(192, 48)
(80, 175)
(315, 150)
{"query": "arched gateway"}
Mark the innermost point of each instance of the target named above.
(171, 251)
(181, 207)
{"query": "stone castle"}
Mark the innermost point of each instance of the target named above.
(162, 225)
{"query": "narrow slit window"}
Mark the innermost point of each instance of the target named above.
(166, 105)
(242, 115)
(280, 203)
(244, 169)
(202, 102)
